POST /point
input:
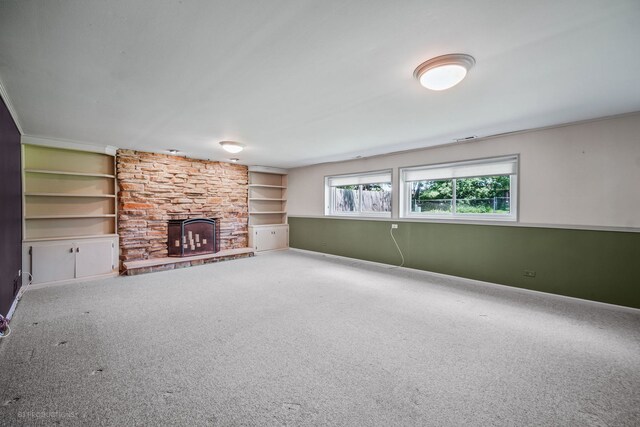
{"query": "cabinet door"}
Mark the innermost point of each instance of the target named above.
(263, 239)
(269, 238)
(52, 262)
(94, 257)
(281, 237)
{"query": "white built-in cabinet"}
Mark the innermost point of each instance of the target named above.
(69, 214)
(268, 228)
(55, 261)
(267, 238)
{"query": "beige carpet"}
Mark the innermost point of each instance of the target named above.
(294, 338)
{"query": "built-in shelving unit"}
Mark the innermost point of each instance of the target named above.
(268, 227)
(68, 193)
(69, 213)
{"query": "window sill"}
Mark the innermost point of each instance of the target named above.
(364, 216)
(461, 218)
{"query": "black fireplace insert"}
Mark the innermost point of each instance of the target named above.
(195, 236)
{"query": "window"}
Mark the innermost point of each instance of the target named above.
(479, 189)
(367, 194)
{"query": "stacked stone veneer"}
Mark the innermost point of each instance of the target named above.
(154, 188)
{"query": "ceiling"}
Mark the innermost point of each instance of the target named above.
(309, 81)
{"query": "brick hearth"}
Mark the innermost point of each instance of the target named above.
(154, 188)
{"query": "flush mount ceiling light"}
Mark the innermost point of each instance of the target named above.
(444, 72)
(466, 138)
(232, 146)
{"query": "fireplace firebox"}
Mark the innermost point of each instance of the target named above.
(195, 236)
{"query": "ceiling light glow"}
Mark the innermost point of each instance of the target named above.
(232, 146)
(444, 72)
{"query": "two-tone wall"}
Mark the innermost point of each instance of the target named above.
(578, 207)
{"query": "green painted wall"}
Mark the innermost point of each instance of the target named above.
(596, 265)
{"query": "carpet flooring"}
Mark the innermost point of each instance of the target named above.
(296, 338)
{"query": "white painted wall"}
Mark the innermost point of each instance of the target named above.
(585, 174)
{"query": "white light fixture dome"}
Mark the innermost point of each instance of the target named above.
(232, 146)
(444, 72)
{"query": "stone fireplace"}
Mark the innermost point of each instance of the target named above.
(156, 188)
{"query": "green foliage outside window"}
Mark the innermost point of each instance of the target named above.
(478, 195)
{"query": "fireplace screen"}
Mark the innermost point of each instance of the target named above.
(195, 236)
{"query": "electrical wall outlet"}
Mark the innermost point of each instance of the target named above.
(529, 273)
(394, 225)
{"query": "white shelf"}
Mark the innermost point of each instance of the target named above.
(267, 186)
(57, 172)
(70, 195)
(51, 239)
(268, 213)
(69, 216)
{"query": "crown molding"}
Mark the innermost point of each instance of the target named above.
(68, 144)
(12, 111)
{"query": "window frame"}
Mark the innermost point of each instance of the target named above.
(405, 196)
(328, 195)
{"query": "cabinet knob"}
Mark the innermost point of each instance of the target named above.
(71, 250)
